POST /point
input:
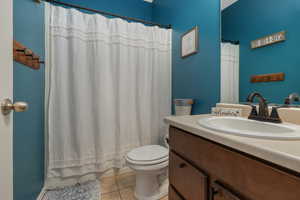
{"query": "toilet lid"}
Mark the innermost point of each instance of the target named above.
(148, 153)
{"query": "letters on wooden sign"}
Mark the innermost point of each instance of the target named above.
(269, 40)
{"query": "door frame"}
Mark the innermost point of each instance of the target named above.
(6, 91)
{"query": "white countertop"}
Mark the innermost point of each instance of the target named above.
(283, 153)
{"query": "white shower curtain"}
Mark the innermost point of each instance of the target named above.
(107, 90)
(230, 54)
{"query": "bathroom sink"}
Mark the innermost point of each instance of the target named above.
(251, 128)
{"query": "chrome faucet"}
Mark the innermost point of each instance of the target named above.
(291, 99)
(263, 113)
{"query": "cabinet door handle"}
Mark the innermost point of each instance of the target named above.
(219, 188)
(182, 165)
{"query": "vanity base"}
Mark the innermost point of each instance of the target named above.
(201, 169)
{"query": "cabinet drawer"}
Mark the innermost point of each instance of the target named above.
(173, 195)
(187, 180)
(220, 192)
(248, 177)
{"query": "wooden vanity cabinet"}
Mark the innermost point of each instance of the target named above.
(183, 175)
(201, 169)
(174, 195)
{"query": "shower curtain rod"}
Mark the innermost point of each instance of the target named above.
(106, 13)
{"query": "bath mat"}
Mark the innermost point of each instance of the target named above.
(86, 191)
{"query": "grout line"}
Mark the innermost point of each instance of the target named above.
(117, 183)
(117, 191)
(120, 195)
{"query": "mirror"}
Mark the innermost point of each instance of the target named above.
(273, 29)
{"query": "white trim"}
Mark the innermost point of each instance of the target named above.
(46, 92)
(6, 88)
(171, 72)
(42, 195)
(226, 3)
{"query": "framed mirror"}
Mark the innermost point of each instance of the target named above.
(260, 49)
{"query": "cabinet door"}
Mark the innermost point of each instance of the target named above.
(219, 192)
(173, 194)
(187, 180)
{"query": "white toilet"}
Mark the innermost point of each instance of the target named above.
(149, 163)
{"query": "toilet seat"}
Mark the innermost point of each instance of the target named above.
(148, 155)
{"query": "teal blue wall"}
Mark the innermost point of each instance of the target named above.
(132, 8)
(29, 87)
(197, 76)
(248, 20)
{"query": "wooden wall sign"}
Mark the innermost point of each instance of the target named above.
(25, 56)
(267, 78)
(269, 40)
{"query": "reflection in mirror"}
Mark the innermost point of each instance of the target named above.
(260, 23)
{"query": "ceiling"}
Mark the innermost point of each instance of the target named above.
(226, 3)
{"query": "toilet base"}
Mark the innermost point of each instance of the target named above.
(150, 164)
(150, 187)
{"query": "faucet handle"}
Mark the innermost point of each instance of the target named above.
(253, 113)
(274, 117)
(291, 98)
(287, 101)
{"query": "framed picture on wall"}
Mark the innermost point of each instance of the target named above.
(190, 42)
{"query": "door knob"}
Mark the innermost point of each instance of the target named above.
(7, 106)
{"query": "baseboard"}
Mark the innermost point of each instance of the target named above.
(42, 195)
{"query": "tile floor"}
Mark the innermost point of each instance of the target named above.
(119, 187)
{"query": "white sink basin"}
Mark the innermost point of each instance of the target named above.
(251, 128)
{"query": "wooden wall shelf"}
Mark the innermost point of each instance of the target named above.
(267, 78)
(26, 56)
